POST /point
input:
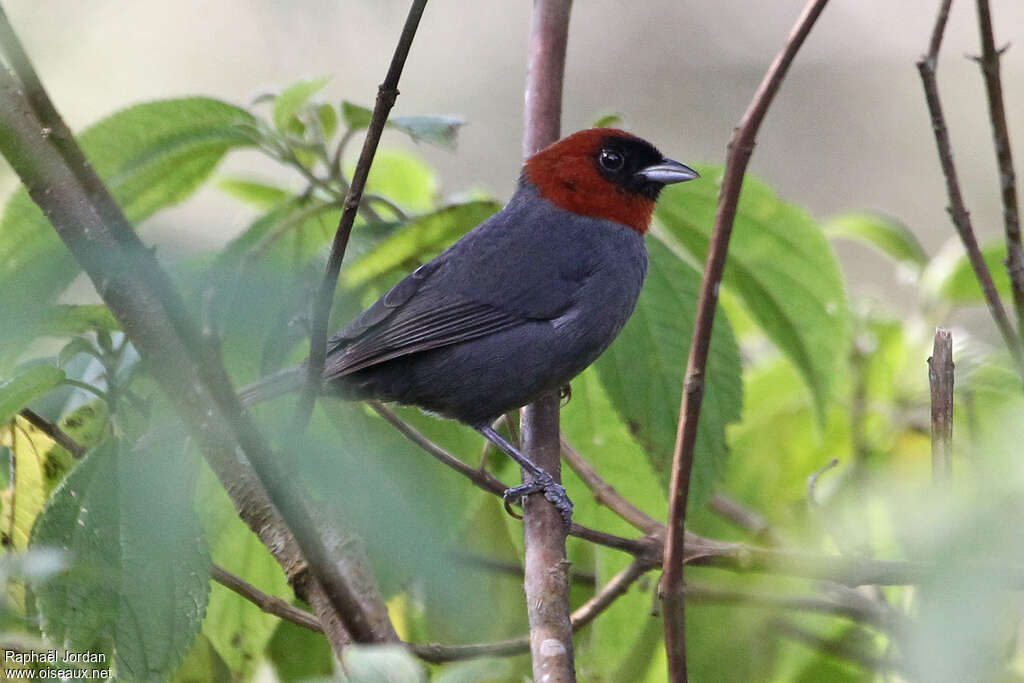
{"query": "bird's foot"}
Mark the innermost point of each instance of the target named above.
(552, 490)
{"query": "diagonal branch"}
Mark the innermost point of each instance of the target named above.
(740, 148)
(989, 62)
(387, 93)
(59, 436)
(44, 154)
(957, 210)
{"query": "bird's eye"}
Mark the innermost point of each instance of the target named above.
(611, 160)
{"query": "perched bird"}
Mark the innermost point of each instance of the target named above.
(517, 307)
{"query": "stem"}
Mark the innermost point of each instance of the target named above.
(61, 437)
(546, 579)
(387, 93)
(268, 603)
(957, 210)
(740, 148)
(940, 380)
(43, 152)
(989, 63)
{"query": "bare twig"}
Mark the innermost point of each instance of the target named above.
(545, 581)
(268, 603)
(43, 152)
(842, 647)
(745, 518)
(812, 480)
(387, 93)
(940, 380)
(740, 148)
(957, 210)
(585, 614)
(605, 493)
(989, 63)
(61, 437)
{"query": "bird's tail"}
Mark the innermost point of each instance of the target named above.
(272, 386)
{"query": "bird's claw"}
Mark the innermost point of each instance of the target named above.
(553, 493)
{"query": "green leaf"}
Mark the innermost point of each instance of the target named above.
(781, 267)
(261, 195)
(66, 319)
(441, 131)
(882, 232)
(20, 390)
(355, 116)
(382, 664)
(139, 582)
(951, 276)
(328, 118)
(403, 178)
(74, 347)
(643, 372)
(607, 121)
(151, 156)
(420, 238)
(237, 629)
(298, 654)
(28, 448)
(293, 99)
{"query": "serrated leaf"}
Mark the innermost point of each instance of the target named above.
(294, 98)
(237, 629)
(20, 390)
(884, 233)
(420, 238)
(643, 372)
(261, 195)
(138, 586)
(151, 156)
(441, 131)
(355, 116)
(781, 267)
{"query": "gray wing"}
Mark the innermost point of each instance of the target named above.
(415, 315)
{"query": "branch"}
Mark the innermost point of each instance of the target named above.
(605, 493)
(43, 152)
(735, 512)
(940, 380)
(268, 603)
(957, 211)
(740, 148)
(61, 437)
(546, 582)
(989, 63)
(586, 613)
(387, 93)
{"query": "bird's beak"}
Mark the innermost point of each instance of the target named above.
(667, 172)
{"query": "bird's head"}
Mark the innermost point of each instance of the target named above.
(604, 173)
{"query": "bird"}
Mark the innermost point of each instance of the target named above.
(518, 306)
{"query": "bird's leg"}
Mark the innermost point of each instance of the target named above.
(541, 482)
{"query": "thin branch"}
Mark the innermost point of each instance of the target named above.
(61, 437)
(268, 603)
(842, 647)
(740, 148)
(585, 614)
(940, 381)
(546, 582)
(605, 493)
(812, 481)
(187, 366)
(387, 93)
(989, 63)
(738, 514)
(926, 66)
